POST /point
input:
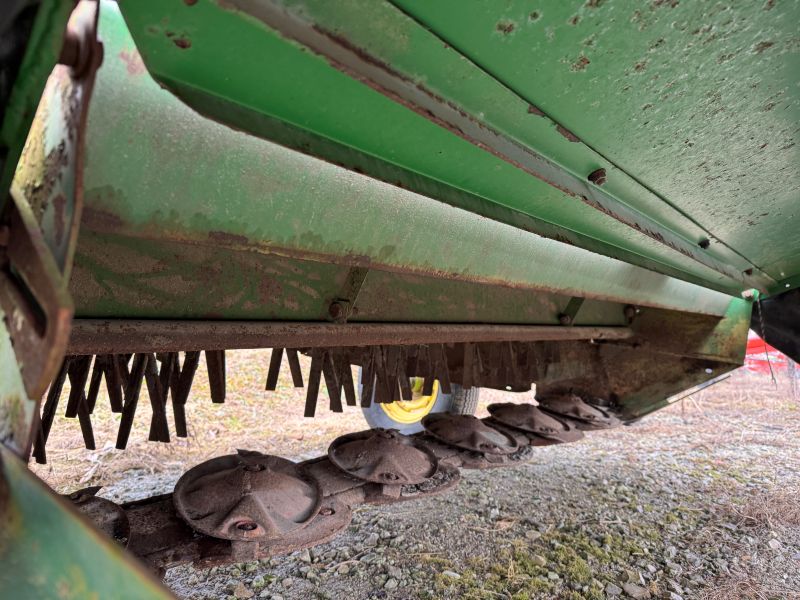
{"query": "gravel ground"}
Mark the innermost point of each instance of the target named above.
(696, 501)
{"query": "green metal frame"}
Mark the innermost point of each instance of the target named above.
(247, 229)
(309, 94)
(48, 550)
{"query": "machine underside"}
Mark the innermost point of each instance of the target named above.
(546, 197)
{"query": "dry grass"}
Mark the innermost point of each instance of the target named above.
(770, 509)
(742, 587)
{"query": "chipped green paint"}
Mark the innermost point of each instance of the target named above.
(266, 208)
(41, 54)
(475, 62)
(16, 409)
(48, 551)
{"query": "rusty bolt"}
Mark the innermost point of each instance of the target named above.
(337, 311)
(565, 319)
(597, 177)
(629, 311)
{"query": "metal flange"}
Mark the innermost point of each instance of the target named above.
(532, 420)
(469, 433)
(247, 496)
(383, 456)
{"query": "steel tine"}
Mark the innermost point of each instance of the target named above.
(294, 367)
(49, 412)
(132, 392)
(215, 362)
(430, 371)
(274, 369)
(78, 374)
(332, 382)
(114, 382)
(159, 428)
(312, 391)
(367, 382)
(345, 376)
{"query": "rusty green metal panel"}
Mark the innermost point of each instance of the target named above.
(49, 551)
(150, 227)
(16, 409)
(305, 100)
(698, 101)
(41, 54)
(302, 100)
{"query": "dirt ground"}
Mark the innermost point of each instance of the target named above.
(700, 500)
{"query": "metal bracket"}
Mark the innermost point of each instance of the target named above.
(571, 311)
(343, 305)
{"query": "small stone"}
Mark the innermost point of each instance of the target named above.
(287, 582)
(394, 572)
(390, 584)
(774, 544)
(240, 591)
(371, 539)
(613, 590)
(539, 560)
(532, 535)
(635, 591)
(451, 574)
(632, 576)
(674, 596)
(343, 569)
(305, 556)
(251, 567)
(552, 575)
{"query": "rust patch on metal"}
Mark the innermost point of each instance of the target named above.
(133, 62)
(567, 133)
(535, 110)
(581, 63)
(223, 237)
(505, 27)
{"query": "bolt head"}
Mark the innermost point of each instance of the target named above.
(336, 310)
(564, 319)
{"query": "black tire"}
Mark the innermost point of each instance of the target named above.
(460, 401)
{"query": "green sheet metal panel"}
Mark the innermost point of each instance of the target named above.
(244, 194)
(276, 89)
(48, 550)
(696, 100)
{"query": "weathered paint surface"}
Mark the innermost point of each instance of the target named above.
(172, 207)
(16, 409)
(41, 54)
(696, 100)
(449, 151)
(47, 550)
(372, 132)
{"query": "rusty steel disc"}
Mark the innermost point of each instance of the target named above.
(584, 415)
(530, 419)
(469, 433)
(107, 516)
(247, 496)
(383, 456)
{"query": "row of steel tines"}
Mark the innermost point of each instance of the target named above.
(385, 378)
